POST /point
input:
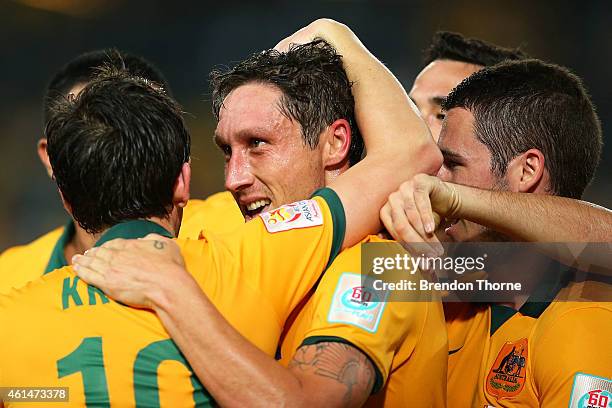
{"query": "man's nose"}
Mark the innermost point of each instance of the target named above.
(238, 173)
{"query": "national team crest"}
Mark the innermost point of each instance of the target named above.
(506, 377)
(302, 214)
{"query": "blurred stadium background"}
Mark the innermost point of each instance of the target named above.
(188, 38)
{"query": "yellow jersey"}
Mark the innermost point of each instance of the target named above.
(405, 341)
(21, 264)
(218, 213)
(24, 263)
(61, 332)
(545, 354)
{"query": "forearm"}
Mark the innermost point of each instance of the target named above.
(387, 118)
(549, 220)
(397, 140)
(234, 371)
(536, 217)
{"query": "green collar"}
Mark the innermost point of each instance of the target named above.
(548, 289)
(127, 230)
(133, 230)
(58, 259)
(500, 314)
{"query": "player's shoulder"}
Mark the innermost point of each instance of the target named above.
(21, 264)
(584, 299)
(217, 213)
(351, 287)
(323, 208)
(575, 318)
(355, 251)
(38, 247)
(569, 342)
(219, 200)
(33, 292)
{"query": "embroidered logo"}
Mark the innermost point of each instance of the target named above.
(356, 304)
(302, 214)
(506, 377)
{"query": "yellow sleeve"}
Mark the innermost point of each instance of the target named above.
(283, 252)
(376, 328)
(571, 353)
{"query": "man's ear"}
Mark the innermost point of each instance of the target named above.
(65, 203)
(337, 142)
(41, 148)
(181, 192)
(526, 173)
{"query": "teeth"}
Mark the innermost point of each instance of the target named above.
(257, 204)
(450, 223)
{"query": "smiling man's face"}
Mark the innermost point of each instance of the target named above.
(267, 163)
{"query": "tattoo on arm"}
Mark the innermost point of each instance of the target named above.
(158, 245)
(340, 362)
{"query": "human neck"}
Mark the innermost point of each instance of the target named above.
(82, 240)
(517, 302)
(332, 174)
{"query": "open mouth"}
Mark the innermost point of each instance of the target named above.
(449, 224)
(254, 208)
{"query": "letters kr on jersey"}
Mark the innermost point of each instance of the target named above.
(301, 214)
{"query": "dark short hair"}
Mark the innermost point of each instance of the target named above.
(316, 90)
(117, 149)
(520, 105)
(454, 46)
(83, 68)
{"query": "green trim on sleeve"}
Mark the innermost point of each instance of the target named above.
(310, 341)
(338, 219)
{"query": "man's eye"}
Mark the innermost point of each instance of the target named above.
(450, 164)
(256, 142)
(227, 151)
(440, 116)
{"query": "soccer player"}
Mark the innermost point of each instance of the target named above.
(108, 343)
(449, 59)
(311, 333)
(533, 353)
(252, 131)
(21, 264)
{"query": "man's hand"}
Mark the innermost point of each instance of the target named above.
(412, 212)
(322, 28)
(134, 272)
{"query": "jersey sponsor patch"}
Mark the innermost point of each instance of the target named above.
(590, 391)
(356, 304)
(506, 377)
(301, 214)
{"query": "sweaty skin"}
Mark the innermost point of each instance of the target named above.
(240, 374)
(266, 159)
